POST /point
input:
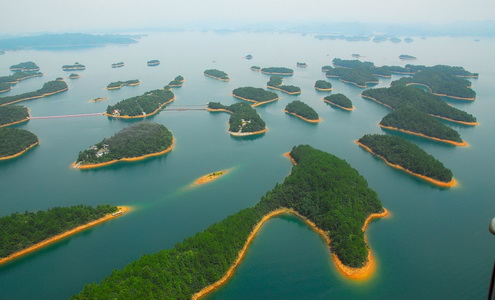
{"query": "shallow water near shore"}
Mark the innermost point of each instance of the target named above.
(435, 244)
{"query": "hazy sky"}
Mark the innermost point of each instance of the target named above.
(21, 16)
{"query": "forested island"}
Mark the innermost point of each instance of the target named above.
(48, 89)
(153, 63)
(76, 66)
(323, 85)
(118, 65)
(6, 82)
(407, 57)
(401, 154)
(302, 111)
(136, 142)
(25, 232)
(410, 120)
(142, 106)
(14, 142)
(257, 95)
(277, 71)
(340, 101)
(27, 66)
(255, 68)
(399, 96)
(74, 76)
(313, 191)
(301, 65)
(177, 82)
(119, 84)
(244, 119)
(249, 56)
(275, 83)
(217, 74)
(360, 74)
(13, 114)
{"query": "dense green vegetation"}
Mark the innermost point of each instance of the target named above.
(217, 74)
(153, 62)
(119, 84)
(410, 119)
(255, 68)
(400, 96)
(278, 71)
(450, 70)
(359, 76)
(18, 76)
(323, 85)
(244, 118)
(255, 94)
(301, 64)
(321, 187)
(48, 88)
(75, 66)
(177, 82)
(340, 100)
(22, 230)
(15, 140)
(13, 113)
(276, 82)
(74, 76)
(406, 56)
(118, 65)
(136, 140)
(141, 105)
(400, 152)
(351, 63)
(4, 87)
(326, 68)
(302, 109)
(27, 66)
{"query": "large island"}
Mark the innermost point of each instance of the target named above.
(217, 74)
(340, 101)
(303, 111)
(143, 106)
(244, 119)
(48, 89)
(15, 142)
(258, 96)
(14, 114)
(136, 142)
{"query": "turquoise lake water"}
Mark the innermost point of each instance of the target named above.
(435, 244)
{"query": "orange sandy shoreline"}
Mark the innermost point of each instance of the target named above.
(123, 209)
(449, 184)
(356, 84)
(217, 78)
(460, 144)
(248, 133)
(36, 97)
(141, 116)
(20, 153)
(210, 177)
(122, 85)
(16, 122)
(440, 95)
(339, 106)
(279, 89)
(92, 166)
(323, 90)
(303, 118)
(219, 110)
(256, 103)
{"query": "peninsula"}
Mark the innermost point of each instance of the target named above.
(48, 89)
(30, 231)
(244, 119)
(13, 114)
(153, 63)
(302, 111)
(15, 142)
(27, 66)
(277, 71)
(275, 83)
(217, 74)
(118, 65)
(340, 101)
(205, 261)
(177, 82)
(76, 67)
(127, 145)
(143, 106)
(119, 84)
(258, 96)
(323, 85)
(406, 156)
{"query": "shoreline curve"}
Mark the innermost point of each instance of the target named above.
(284, 91)
(255, 103)
(339, 106)
(459, 144)
(141, 116)
(303, 118)
(20, 153)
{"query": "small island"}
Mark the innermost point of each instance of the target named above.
(153, 63)
(177, 82)
(249, 56)
(13, 114)
(210, 177)
(118, 65)
(399, 96)
(244, 120)
(75, 67)
(410, 120)
(406, 156)
(323, 85)
(275, 83)
(119, 84)
(143, 106)
(48, 89)
(255, 68)
(217, 74)
(15, 142)
(74, 76)
(27, 66)
(301, 65)
(257, 95)
(407, 57)
(30, 231)
(340, 101)
(302, 111)
(133, 143)
(277, 71)
(6, 82)
(99, 99)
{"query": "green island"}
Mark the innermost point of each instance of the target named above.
(118, 65)
(340, 101)
(146, 105)
(322, 189)
(302, 111)
(351, 63)
(48, 89)
(301, 65)
(22, 231)
(257, 95)
(27, 66)
(407, 57)
(360, 77)
(177, 82)
(14, 142)
(119, 84)
(410, 120)
(75, 66)
(136, 142)
(255, 68)
(249, 56)
(275, 83)
(323, 85)
(153, 63)
(450, 70)
(74, 76)
(277, 71)
(13, 114)
(399, 96)
(6, 82)
(401, 154)
(326, 68)
(217, 74)
(244, 119)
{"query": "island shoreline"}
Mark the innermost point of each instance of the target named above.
(36, 97)
(460, 144)
(256, 103)
(141, 116)
(339, 106)
(20, 153)
(284, 91)
(303, 118)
